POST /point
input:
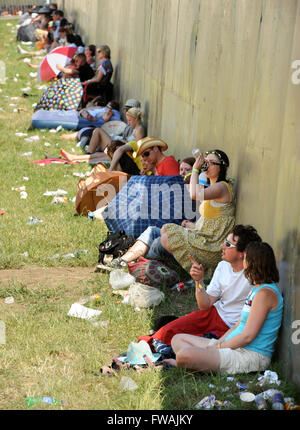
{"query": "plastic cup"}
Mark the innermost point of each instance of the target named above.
(247, 397)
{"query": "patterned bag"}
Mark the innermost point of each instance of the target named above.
(115, 244)
(153, 273)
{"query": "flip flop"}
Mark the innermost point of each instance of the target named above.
(105, 371)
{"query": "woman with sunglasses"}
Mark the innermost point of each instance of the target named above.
(249, 345)
(98, 85)
(204, 238)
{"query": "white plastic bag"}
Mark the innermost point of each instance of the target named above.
(144, 296)
(119, 279)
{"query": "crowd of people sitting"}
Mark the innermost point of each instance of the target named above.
(240, 310)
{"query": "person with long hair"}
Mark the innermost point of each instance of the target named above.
(249, 345)
(185, 168)
(99, 83)
(204, 238)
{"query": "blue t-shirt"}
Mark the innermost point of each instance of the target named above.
(264, 341)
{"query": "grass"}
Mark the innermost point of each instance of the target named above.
(48, 353)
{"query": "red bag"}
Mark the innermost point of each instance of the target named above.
(153, 273)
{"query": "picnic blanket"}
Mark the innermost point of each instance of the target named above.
(148, 201)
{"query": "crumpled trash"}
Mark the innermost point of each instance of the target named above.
(210, 402)
(70, 255)
(32, 138)
(59, 199)
(55, 193)
(119, 279)
(34, 220)
(80, 311)
(9, 300)
(18, 189)
(144, 296)
(55, 130)
(268, 377)
(23, 195)
(26, 154)
(268, 394)
(127, 384)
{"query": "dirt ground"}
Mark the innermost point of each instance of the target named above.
(50, 276)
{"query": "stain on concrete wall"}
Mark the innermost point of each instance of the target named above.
(219, 74)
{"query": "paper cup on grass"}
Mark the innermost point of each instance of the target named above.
(247, 397)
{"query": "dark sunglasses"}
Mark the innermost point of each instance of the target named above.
(212, 163)
(146, 153)
(229, 244)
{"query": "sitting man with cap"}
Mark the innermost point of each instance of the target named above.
(152, 148)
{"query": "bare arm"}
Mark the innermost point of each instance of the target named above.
(108, 114)
(118, 154)
(96, 79)
(264, 301)
(139, 132)
(204, 300)
(64, 69)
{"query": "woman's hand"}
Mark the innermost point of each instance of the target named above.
(187, 224)
(199, 162)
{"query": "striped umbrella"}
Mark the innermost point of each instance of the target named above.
(47, 69)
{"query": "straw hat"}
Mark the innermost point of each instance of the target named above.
(149, 142)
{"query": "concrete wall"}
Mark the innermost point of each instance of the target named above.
(218, 74)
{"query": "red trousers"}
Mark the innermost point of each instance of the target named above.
(197, 323)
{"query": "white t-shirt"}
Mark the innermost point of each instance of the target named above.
(232, 289)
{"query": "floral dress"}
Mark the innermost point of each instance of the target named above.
(203, 242)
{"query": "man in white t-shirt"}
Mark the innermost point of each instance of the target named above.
(221, 303)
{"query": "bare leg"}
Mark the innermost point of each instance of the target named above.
(99, 138)
(137, 250)
(164, 240)
(71, 136)
(191, 353)
(33, 66)
(98, 157)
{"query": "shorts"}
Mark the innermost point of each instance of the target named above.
(241, 360)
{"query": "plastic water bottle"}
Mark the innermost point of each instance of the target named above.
(260, 403)
(178, 287)
(196, 152)
(182, 286)
(32, 401)
(278, 401)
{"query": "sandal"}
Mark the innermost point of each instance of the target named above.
(106, 371)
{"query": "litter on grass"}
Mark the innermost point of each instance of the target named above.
(80, 311)
(127, 384)
(268, 377)
(32, 139)
(26, 154)
(55, 193)
(34, 220)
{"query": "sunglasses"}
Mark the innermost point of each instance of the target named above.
(212, 163)
(146, 153)
(229, 244)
